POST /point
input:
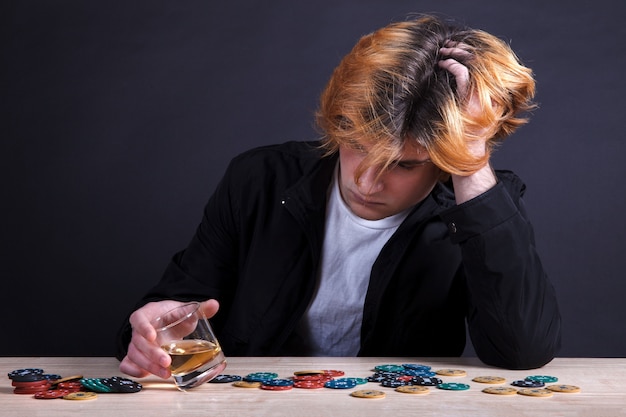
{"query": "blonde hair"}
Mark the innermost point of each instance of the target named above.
(390, 89)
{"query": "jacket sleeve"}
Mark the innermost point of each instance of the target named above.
(205, 269)
(513, 316)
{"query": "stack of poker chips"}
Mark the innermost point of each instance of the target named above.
(34, 381)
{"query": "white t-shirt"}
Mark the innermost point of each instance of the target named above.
(332, 322)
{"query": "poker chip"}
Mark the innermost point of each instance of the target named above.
(341, 383)
(121, 385)
(81, 396)
(221, 379)
(33, 384)
(31, 390)
(68, 379)
(500, 390)
(453, 386)
(52, 394)
(489, 380)
(393, 383)
(419, 372)
(525, 383)
(276, 387)
(95, 385)
(564, 388)
(333, 373)
(28, 378)
(309, 373)
(413, 389)
(535, 392)
(432, 382)
(309, 384)
(24, 372)
(451, 372)
(373, 394)
(416, 366)
(389, 368)
(247, 384)
(260, 376)
(70, 386)
(546, 379)
(278, 382)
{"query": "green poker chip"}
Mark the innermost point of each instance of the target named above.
(453, 386)
(546, 379)
(389, 368)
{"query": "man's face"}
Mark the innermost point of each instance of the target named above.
(378, 195)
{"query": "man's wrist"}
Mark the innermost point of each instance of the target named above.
(473, 185)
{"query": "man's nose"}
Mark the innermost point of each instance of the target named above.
(371, 181)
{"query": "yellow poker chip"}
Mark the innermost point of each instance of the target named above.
(451, 372)
(413, 389)
(570, 389)
(500, 390)
(314, 372)
(67, 379)
(535, 392)
(489, 380)
(246, 384)
(366, 393)
(81, 396)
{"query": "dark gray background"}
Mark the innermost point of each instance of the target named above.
(118, 118)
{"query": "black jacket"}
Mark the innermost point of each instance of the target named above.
(257, 251)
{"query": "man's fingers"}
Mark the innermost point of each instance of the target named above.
(460, 73)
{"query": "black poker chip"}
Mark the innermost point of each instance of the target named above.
(525, 383)
(27, 375)
(394, 383)
(121, 385)
(426, 381)
(222, 379)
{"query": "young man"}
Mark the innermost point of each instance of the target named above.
(386, 236)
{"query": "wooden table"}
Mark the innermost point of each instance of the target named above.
(603, 384)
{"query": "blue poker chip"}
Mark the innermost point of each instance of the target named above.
(416, 366)
(278, 382)
(341, 383)
(419, 372)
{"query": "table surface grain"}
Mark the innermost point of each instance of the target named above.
(602, 382)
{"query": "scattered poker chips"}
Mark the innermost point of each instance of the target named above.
(408, 378)
(33, 381)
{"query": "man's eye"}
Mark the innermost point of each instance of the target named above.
(358, 147)
(411, 165)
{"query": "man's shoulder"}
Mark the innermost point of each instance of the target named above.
(282, 162)
(292, 150)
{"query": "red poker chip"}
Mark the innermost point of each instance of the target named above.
(31, 390)
(72, 386)
(316, 377)
(52, 394)
(309, 384)
(33, 384)
(276, 387)
(333, 372)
